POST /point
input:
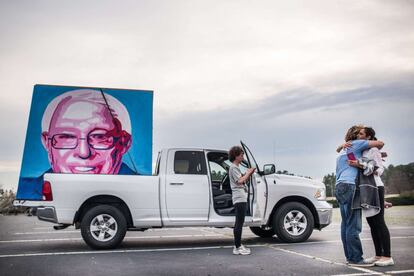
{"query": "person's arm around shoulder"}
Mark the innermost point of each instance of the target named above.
(344, 146)
(377, 144)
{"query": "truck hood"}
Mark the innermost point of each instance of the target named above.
(297, 180)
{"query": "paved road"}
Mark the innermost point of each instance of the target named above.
(31, 247)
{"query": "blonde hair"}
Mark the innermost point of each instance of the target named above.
(352, 132)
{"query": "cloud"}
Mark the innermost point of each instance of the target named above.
(304, 99)
(298, 129)
(301, 100)
(206, 55)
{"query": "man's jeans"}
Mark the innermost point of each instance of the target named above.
(351, 224)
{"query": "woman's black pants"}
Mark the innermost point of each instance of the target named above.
(238, 225)
(379, 230)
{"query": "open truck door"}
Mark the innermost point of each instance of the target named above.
(258, 190)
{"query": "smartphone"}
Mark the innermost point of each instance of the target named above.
(351, 156)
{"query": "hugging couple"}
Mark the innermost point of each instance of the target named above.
(359, 191)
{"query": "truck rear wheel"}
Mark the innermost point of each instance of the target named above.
(103, 227)
(263, 232)
(293, 222)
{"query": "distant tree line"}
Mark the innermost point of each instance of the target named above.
(329, 181)
(6, 201)
(397, 180)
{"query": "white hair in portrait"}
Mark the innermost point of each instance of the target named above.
(117, 109)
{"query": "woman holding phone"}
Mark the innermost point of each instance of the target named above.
(239, 196)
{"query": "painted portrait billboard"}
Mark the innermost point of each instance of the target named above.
(81, 130)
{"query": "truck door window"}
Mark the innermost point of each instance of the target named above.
(189, 162)
(217, 172)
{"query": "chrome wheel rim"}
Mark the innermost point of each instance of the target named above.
(103, 227)
(295, 223)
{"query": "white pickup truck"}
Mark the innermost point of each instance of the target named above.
(190, 187)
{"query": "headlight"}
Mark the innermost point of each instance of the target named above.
(320, 194)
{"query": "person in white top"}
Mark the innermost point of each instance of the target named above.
(379, 229)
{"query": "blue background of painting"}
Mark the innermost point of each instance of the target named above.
(35, 160)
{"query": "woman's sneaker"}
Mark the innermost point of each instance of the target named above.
(245, 248)
(372, 259)
(383, 262)
(241, 250)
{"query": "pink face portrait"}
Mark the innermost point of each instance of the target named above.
(84, 137)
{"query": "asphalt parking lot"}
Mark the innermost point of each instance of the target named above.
(31, 247)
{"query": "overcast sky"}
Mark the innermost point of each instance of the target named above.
(287, 77)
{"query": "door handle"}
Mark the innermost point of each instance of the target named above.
(176, 183)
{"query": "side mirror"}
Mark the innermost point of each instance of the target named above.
(269, 169)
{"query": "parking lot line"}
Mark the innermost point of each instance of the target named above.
(338, 241)
(192, 236)
(48, 232)
(122, 251)
(366, 229)
(42, 240)
(360, 274)
(370, 272)
(400, 271)
(126, 238)
(378, 273)
(364, 270)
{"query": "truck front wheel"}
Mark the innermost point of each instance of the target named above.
(103, 227)
(293, 222)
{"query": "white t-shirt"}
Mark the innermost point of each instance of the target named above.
(239, 191)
